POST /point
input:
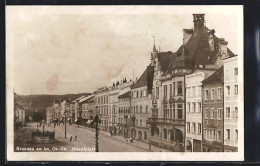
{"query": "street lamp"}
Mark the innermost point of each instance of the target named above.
(66, 107)
(97, 121)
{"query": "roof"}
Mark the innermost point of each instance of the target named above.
(188, 30)
(216, 76)
(125, 95)
(86, 99)
(197, 50)
(164, 59)
(79, 98)
(146, 79)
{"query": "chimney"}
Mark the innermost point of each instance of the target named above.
(198, 20)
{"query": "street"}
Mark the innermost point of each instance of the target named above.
(86, 138)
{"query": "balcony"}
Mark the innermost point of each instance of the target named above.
(166, 121)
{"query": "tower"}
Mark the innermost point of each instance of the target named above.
(154, 53)
(199, 21)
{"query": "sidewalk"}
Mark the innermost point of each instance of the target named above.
(136, 143)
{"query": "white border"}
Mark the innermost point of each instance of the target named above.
(126, 156)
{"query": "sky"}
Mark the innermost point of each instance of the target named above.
(77, 49)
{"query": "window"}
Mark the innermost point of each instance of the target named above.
(227, 112)
(141, 109)
(236, 135)
(212, 94)
(188, 127)
(219, 93)
(236, 90)
(141, 122)
(170, 111)
(146, 109)
(235, 71)
(228, 90)
(136, 94)
(227, 73)
(179, 111)
(206, 94)
(199, 107)
(188, 107)
(227, 134)
(165, 91)
(170, 90)
(173, 86)
(199, 128)
(179, 84)
(219, 113)
(219, 136)
(165, 111)
(236, 113)
(193, 127)
(173, 111)
(212, 113)
(141, 93)
(193, 107)
(136, 109)
(206, 113)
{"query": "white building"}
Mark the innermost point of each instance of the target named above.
(231, 111)
(194, 109)
(20, 114)
(115, 91)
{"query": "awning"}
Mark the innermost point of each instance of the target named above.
(76, 120)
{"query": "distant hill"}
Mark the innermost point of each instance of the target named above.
(31, 103)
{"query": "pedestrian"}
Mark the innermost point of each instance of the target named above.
(75, 138)
(70, 138)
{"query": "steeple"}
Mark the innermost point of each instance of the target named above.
(154, 53)
(154, 49)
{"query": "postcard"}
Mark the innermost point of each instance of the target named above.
(124, 83)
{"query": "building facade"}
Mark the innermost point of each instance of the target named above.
(213, 122)
(231, 111)
(141, 92)
(194, 110)
(124, 121)
(88, 109)
(19, 114)
(102, 104)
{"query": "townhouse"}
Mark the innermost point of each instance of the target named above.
(102, 105)
(141, 92)
(124, 113)
(231, 91)
(194, 109)
(213, 121)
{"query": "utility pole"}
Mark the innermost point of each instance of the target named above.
(67, 105)
(97, 121)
